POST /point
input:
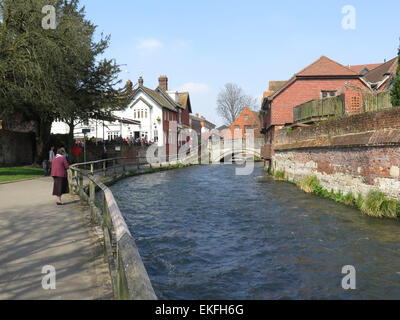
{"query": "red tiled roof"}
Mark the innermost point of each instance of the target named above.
(326, 67)
(361, 67)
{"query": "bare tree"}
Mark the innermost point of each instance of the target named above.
(231, 101)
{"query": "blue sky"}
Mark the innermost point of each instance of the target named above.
(201, 45)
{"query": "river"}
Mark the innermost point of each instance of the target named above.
(205, 233)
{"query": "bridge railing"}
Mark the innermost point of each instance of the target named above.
(129, 277)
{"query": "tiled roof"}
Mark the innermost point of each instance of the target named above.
(184, 100)
(276, 85)
(157, 97)
(361, 67)
(379, 73)
(326, 67)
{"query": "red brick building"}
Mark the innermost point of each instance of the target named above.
(322, 79)
(247, 120)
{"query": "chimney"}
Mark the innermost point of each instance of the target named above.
(163, 83)
(197, 115)
(140, 81)
(202, 118)
(129, 86)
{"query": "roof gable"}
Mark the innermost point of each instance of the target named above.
(381, 72)
(326, 67)
(156, 97)
(276, 85)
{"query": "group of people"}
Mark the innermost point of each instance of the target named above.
(58, 166)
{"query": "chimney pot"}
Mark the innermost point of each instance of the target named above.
(140, 81)
(163, 83)
(197, 115)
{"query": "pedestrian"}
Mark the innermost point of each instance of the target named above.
(59, 168)
(51, 155)
(66, 155)
(104, 156)
(46, 167)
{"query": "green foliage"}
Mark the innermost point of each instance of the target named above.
(288, 130)
(377, 205)
(395, 92)
(311, 184)
(19, 173)
(359, 201)
(53, 74)
(280, 175)
(350, 200)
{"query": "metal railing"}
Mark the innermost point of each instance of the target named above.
(129, 277)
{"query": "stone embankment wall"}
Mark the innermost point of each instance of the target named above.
(354, 154)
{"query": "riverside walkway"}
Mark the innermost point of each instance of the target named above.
(34, 233)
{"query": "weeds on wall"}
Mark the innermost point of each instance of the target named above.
(376, 204)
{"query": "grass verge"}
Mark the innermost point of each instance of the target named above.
(19, 173)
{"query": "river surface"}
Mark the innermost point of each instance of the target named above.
(205, 233)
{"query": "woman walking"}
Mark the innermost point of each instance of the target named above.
(59, 168)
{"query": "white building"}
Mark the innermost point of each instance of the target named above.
(148, 116)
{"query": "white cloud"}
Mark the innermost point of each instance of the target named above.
(149, 46)
(194, 87)
(180, 44)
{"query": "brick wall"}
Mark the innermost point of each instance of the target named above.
(354, 154)
(304, 90)
(252, 122)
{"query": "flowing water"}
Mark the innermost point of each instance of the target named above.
(205, 233)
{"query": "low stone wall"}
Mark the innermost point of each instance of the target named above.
(353, 154)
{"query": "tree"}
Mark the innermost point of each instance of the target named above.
(231, 101)
(395, 93)
(48, 74)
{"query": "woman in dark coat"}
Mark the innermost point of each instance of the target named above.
(59, 168)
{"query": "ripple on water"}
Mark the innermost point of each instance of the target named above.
(205, 233)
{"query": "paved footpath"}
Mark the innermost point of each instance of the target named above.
(35, 232)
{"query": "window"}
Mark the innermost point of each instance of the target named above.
(141, 114)
(246, 117)
(237, 127)
(327, 94)
(146, 114)
(156, 135)
(134, 114)
(180, 116)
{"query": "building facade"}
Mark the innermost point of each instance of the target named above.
(322, 79)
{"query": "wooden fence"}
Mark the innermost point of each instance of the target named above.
(377, 101)
(319, 108)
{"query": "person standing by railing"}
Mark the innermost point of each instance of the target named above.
(59, 168)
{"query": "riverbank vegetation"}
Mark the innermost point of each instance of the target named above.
(375, 204)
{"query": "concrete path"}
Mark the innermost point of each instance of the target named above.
(34, 232)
